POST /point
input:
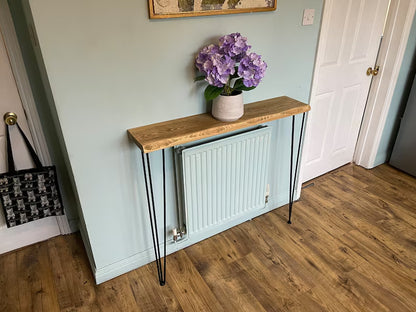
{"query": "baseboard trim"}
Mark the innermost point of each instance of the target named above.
(28, 234)
(126, 265)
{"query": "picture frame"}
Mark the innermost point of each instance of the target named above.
(159, 9)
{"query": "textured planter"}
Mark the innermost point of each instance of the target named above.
(228, 108)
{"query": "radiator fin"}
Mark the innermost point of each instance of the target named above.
(225, 181)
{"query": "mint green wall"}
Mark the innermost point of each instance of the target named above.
(399, 100)
(111, 68)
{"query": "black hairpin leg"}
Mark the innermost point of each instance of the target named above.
(293, 175)
(161, 270)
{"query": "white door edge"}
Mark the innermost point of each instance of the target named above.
(319, 51)
(25, 91)
(377, 108)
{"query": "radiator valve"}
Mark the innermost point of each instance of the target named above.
(178, 234)
(266, 199)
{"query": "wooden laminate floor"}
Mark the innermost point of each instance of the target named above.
(351, 247)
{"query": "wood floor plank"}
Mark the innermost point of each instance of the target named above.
(223, 279)
(149, 295)
(117, 295)
(277, 284)
(389, 187)
(371, 224)
(301, 248)
(74, 281)
(8, 278)
(396, 288)
(395, 230)
(278, 263)
(35, 284)
(189, 287)
(328, 297)
(395, 177)
(351, 247)
(376, 298)
(333, 251)
(375, 251)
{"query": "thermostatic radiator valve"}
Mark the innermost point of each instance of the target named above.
(178, 234)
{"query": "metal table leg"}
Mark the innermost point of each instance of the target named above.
(293, 175)
(161, 270)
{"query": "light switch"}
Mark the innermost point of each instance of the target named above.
(308, 16)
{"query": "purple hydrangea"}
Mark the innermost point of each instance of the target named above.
(252, 69)
(234, 45)
(204, 55)
(216, 66)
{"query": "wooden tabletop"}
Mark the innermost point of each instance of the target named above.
(170, 133)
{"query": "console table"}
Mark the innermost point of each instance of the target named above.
(160, 136)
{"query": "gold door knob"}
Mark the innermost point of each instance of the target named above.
(10, 118)
(374, 72)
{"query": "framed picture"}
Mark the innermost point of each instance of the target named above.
(182, 8)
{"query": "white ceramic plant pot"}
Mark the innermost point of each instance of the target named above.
(228, 108)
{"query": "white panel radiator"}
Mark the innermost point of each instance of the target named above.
(222, 183)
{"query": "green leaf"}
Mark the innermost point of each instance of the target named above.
(211, 92)
(234, 76)
(244, 88)
(199, 78)
(239, 85)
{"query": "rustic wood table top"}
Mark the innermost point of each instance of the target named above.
(170, 133)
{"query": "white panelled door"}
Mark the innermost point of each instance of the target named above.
(10, 101)
(348, 45)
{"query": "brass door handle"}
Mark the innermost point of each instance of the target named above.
(10, 118)
(374, 72)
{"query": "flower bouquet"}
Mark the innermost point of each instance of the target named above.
(229, 68)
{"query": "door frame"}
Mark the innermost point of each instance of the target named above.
(376, 110)
(383, 86)
(26, 95)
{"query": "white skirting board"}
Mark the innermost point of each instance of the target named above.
(27, 234)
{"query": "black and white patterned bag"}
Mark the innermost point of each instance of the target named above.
(30, 194)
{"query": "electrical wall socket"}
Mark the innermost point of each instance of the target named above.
(308, 16)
